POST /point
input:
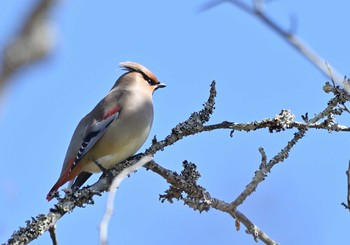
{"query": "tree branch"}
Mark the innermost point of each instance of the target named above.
(197, 197)
(266, 168)
(296, 42)
(41, 223)
(347, 206)
(33, 42)
(112, 190)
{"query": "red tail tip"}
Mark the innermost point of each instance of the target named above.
(49, 196)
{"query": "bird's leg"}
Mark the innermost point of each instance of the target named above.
(106, 172)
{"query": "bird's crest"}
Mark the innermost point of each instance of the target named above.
(147, 74)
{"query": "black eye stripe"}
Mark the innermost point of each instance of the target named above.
(148, 79)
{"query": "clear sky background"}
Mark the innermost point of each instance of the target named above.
(257, 75)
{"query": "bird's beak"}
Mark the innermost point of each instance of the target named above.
(160, 85)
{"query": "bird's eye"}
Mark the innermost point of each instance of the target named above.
(149, 80)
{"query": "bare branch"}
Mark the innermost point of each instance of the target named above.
(254, 230)
(347, 206)
(193, 125)
(84, 196)
(296, 42)
(33, 42)
(266, 168)
(41, 223)
(52, 231)
(197, 197)
(263, 158)
(285, 120)
(112, 190)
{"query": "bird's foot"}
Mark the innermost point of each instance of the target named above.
(106, 173)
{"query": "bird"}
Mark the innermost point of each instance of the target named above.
(114, 130)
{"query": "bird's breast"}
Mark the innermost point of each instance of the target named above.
(123, 138)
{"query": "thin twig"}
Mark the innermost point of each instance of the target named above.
(348, 175)
(284, 153)
(33, 42)
(347, 206)
(296, 42)
(266, 168)
(112, 190)
(199, 199)
(52, 231)
(193, 125)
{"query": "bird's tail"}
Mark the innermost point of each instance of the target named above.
(67, 175)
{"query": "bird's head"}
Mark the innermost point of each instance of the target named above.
(150, 79)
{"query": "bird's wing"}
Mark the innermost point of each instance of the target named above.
(91, 128)
(84, 138)
(88, 132)
(93, 133)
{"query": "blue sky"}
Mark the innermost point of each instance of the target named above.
(257, 75)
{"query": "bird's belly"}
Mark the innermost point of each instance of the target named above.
(112, 154)
(107, 162)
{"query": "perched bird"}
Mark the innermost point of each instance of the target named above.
(114, 130)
